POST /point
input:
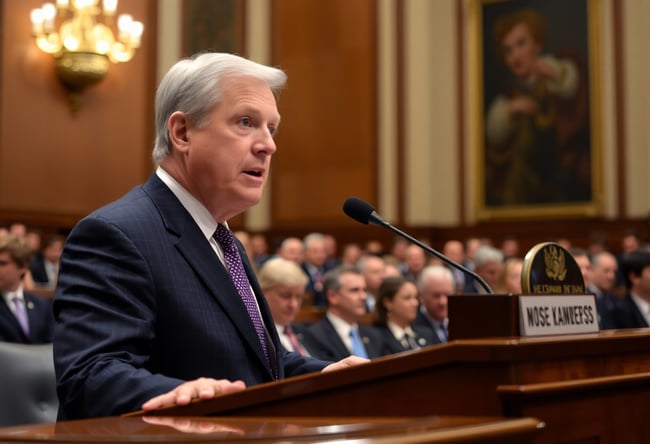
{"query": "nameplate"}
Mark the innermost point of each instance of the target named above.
(557, 315)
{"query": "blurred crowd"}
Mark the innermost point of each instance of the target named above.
(368, 300)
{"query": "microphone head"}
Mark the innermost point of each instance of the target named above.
(358, 210)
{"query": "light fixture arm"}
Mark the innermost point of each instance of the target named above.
(83, 43)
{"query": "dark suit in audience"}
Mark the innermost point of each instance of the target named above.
(326, 344)
(15, 256)
(626, 314)
(423, 322)
(629, 311)
(41, 321)
(338, 332)
(422, 338)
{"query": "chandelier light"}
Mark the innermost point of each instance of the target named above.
(79, 34)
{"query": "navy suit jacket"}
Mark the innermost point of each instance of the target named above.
(324, 342)
(143, 304)
(422, 321)
(423, 338)
(625, 314)
(39, 315)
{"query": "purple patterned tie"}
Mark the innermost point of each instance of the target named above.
(236, 268)
(21, 314)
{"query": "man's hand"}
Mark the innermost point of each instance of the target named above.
(350, 361)
(202, 388)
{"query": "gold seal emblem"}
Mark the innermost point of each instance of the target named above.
(549, 268)
(555, 263)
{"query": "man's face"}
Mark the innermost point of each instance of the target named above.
(603, 273)
(10, 273)
(434, 297)
(293, 250)
(520, 51)
(284, 302)
(315, 253)
(641, 284)
(490, 272)
(349, 302)
(455, 251)
(226, 162)
(374, 272)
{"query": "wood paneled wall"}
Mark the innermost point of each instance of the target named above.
(55, 167)
(329, 150)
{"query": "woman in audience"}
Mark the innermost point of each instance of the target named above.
(395, 310)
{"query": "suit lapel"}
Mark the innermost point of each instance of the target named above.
(197, 251)
(13, 326)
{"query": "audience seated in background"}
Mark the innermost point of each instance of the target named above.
(471, 245)
(510, 247)
(633, 311)
(373, 269)
(487, 262)
(416, 260)
(338, 333)
(259, 250)
(314, 265)
(455, 250)
(24, 317)
(292, 249)
(283, 284)
(584, 263)
(631, 241)
(395, 312)
(352, 253)
(398, 253)
(602, 279)
(331, 247)
(44, 266)
(509, 279)
(435, 285)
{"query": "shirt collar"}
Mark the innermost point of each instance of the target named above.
(199, 213)
(644, 306)
(9, 295)
(398, 331)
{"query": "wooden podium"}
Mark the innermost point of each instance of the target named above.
(585, 388)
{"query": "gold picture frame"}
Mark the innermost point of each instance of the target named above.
(538, 143)
(210, 25)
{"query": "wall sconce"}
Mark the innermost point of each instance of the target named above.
(84, 43)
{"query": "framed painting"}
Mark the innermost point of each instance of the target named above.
(537, 107)
(210, 25)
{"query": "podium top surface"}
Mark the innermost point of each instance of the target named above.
(426, 429)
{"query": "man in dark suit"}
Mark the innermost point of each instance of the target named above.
(44, 266)
(633, 311)
(338, 334)
(315, 267)
(435, 284)
(25, 318)
(156, 303)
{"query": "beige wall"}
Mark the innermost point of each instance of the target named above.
(429, 192)
(637, 105)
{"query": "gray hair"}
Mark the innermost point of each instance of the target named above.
(434, 272)
(191, 86)
(332, 279)
(279, 271)
(485, 254)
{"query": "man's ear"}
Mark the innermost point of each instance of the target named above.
(178, 128)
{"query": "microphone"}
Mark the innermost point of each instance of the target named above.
(364, 213)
